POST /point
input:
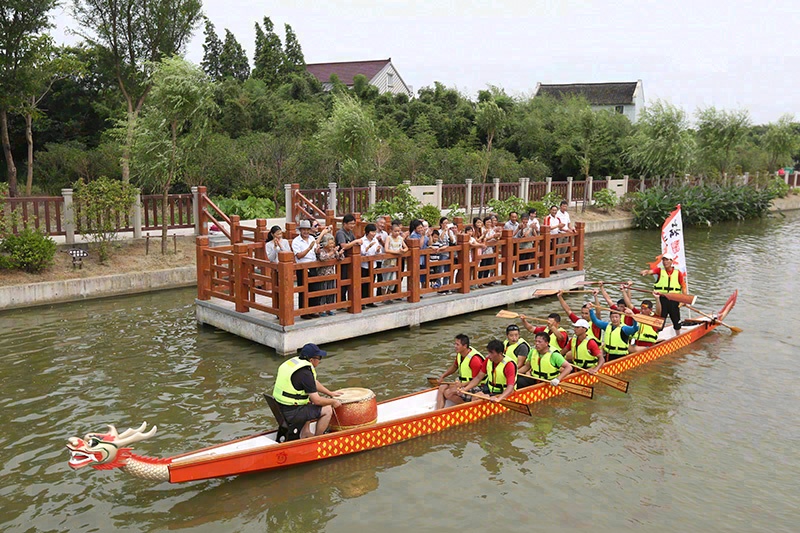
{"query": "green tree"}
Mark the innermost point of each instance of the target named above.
(662, 144)
(490, 118)
(233, 60)
(103, 202)
(21, 25)
(780, 141)
(171, 126)
(212, 50)
(350, 136)
(269, 56)
(136, 34)
(49, 65)
(293, 60)
(719, 135)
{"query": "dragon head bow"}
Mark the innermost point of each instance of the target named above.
(105, 450)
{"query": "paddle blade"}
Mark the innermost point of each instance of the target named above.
(517, 406)
(538, 293)
(732, 328)
(616, 383)
(686, 299)
(580, 390)
(656, 322)
(507, 314)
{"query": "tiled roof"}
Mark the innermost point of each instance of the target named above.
(347, 70)
(595, 93)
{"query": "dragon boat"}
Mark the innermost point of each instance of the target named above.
(399, 419)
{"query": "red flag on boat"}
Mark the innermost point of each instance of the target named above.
(672, 241)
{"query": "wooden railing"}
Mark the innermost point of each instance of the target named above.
(454, 194)
(44, 213)
(286, 289)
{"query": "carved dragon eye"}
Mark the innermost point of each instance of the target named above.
(93, 441)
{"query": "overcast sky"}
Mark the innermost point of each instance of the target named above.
(732, 54)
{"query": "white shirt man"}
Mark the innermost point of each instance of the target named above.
(552, 220)
(304, 244)
(563, 217)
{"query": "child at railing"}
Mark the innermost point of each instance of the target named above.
(328, 252)
(395, 245)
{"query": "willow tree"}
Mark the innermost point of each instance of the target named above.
(173, 122)
(662, 144)
(136, 34)
(349, 136)
(780, 142)
(720, 134)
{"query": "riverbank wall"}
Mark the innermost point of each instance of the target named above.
(47, 293)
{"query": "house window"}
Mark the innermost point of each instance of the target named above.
(390, 80)
(619, 109)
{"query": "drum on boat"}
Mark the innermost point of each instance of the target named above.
(359, 408)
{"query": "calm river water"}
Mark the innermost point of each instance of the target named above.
(706, 440)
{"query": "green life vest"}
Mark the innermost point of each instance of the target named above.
(580, 353)
(284, 392)
(496, 377)
(511, 347)
(554, 345)
(668, 283)
(646, 333)
(464, 371)
(544, 368)
(614, 344)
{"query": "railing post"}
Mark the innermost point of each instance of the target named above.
(355, 279)
(549, 185)
(547, 251)
(285, 288)
(588, 194)
(464, 264)
(569, 190)
(496, 193)
(608, 182)
(203, 270)
(261, 238)
(201, 210)
(414, 279)
(508, 256)
(235, 237)
(69, 216)
(330, 220)
(580, 239)
(196, 210)
(288, 201)
(137, 215)
(468, 200)
(625, 184)
(439, 194)
(239, 275)
(524, 188)
(332, 196)
(745, 178)
(642, 184)
(373, 194)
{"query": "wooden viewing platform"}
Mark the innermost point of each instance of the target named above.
(240, 291)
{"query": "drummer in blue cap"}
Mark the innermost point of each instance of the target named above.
(297, 390)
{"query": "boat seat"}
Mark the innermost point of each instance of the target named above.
(286, 431)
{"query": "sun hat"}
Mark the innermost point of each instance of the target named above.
(304, 224)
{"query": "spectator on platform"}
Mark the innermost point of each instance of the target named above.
(437, 245)
(305, 248)
(345, 240)
(447, 236)
(418, 231)
(525, 231)
(382, 235)
(395, 245)
(490, 235)
(563, 217)
(276, 243)
(328, 252)
(512, 223)
(369, 247)
(533, 221)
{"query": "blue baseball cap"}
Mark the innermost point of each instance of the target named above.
(312, 350)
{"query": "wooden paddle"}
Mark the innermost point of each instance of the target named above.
(512, 314)
(734, 329)
(514, 406)
(685, 299)
(655, 322)
(538, 293)
(574, 388)
(611, 381)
